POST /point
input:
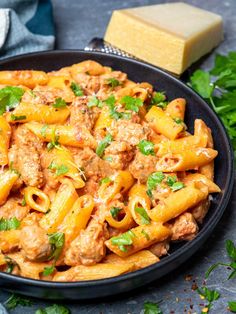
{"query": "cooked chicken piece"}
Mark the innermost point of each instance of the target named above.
(142, 166)
(81, 114)
(89, 247)
(184, 228)
(119, 155)
(52, 181)
(93, 165)
(200, 211)
(125, 130)
(13, 208)
(35, 243)
(32, 219)
(28, 156)
(161, 248)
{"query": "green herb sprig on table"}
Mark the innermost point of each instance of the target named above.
(218, 88)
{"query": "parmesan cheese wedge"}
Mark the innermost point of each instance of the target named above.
(171, 36)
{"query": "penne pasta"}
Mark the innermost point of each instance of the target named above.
(23, 77)
(7, 180)
(176, 108)
(5, 135)
(42, 204)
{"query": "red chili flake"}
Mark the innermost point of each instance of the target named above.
(188, 277)
(194, 286)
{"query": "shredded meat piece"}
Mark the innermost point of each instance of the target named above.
(120, 154)
(200, 211)
(125, 130)
(52, 181)
(81, 114)
(89, 247)
(93, 165)
(142, 166)
(184, 228)
(28, 156)
(35, 243)
(160, 249)
(13, 208)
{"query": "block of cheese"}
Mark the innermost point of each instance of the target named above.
(171, 36)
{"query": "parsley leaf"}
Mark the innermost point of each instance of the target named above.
(158, 99)
(105, 180)
(54, 142)
(17, 118)
(231, 249)
(209, 295)
(10, 97)
(153, 180)
(145, 234)
(57, 241)
(146, 147)
(48, 270)
(232, 306)
(10, 264)
(59, 103)
(178, 120)
(115, 211)
(177, 186)
(103, 144)
(9, 224)
(110, 102)
(201, 82)
(60, 169)
(54, 309)
(94, 102)
(77, 90)
(145, 220)
(123, 240)
(131, 103)
(16, 300)
(152, 308)
(112, 82)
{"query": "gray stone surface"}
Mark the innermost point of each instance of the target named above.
(78, 21)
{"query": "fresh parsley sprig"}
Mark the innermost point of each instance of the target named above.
(59, 103)
(152, 308)
(76, 89)
(15, 300)
(9, 224)
(103, 144)
(10, 97)
(146, 147)
(209, 295)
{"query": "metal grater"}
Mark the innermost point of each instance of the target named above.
(98, 44)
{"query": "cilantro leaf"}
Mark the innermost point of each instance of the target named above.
(57, 240)
(48, 270)
(145, 220)
(10, 96)
(9, 224)
(59, 103)
(54, 309)
(152, 308)
(103, 144)
(77, 90)
(115, 211)
(112, 82)
(232, 306)
(146, 147)
(131, 103)
(123, 240)
(60, 169)
(94, 102)
(16, 300)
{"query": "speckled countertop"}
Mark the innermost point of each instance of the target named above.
(78, 21)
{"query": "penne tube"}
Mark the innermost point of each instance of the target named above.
(77, 218)
(163, 123)
(176, 108)
(65, 134)
(140, 237)
(88, 66)
(9, 240)
(98, 271)
(7, 180)
(42, 204)
(5, 135)
(63, 83)
(138, 198)
(124, 224)
(207, 170)
(177, 203)
(201, 130)
(24, 77)
(62, 204)
(197, 177)
(180, 144)
(26, 112)
(186, 160)
(120, 182)
(104, 120)
(140, 259)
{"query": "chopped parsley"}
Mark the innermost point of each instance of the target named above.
(131, 103)
(43, 130)
(10, 97)
(112, 82)
(57, 241)
(54, 309)
(232, 306)
(146, 147)
(95, 102)
(103, 144)
(178, 120)
(115, 211)
(145, 220)
(11, 168)
(16, 300)
(110, 102)
(175, 185)
(17, 118)
(54, 142)
(123, 240)
(48, 270)
(77, 90)
(23, 203)
(153, 180)
(10, 264)
(209, 295)
(145, 234)
(60, 169)
(105, 180)
(9, 224)
(152, 308)
(59, 103)
(158, 99)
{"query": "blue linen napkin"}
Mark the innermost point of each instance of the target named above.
(25, 26)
